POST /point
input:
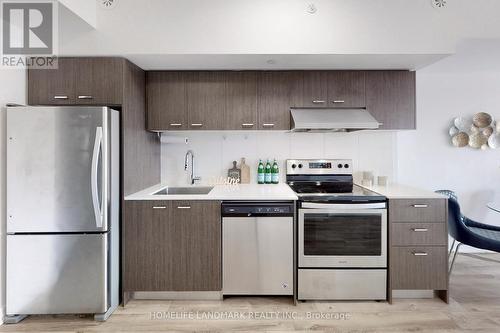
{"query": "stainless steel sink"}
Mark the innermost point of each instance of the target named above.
(184, 190)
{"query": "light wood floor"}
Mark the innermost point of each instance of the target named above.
(474, 307)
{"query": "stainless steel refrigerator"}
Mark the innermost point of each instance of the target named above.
(63, 191)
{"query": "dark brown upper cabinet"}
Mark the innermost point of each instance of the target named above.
(206, 93)
(166, 101)
(78, 81)
(315, 89)
(346, 89)
(52, 86)
(390, 98)
(277, 92)
(98, 81)
(241, 101)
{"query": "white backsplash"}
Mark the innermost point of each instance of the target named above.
(215, 151)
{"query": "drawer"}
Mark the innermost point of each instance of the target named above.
(405, 234)
(417, 210)
(419, 267)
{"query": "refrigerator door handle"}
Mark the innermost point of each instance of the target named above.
(93, 178)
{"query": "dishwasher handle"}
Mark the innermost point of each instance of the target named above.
(257, 209)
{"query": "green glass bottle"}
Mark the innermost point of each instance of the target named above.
(260, 173)
(275, 173)
(267, 177)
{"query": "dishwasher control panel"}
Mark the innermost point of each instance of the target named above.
(257, 209)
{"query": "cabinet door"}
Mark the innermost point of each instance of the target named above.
(172, 246)
(346, 89)
(52, 86)
(390, 98)
(99, 81)
(277, 92)
(148, 242)
(166, 101)
(241, 101)
(197, 256)
(206, 100)
(315, 89)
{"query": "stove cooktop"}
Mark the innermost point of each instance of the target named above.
(319, 192)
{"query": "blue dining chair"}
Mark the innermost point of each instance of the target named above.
(465, 231)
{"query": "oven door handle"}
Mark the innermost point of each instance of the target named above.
(353, 206)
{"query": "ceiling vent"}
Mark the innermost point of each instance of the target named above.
(438, 3)
(107, 4)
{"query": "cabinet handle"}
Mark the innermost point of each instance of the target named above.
(85, 97)
(318, 102)
(183, 207)
(60, 97)
(420, 206)
(175, 125)
(338, 101)
(420, 254)
(420, 229)
(247, 125)
(268, 125)
(159, 207)
(196, 125)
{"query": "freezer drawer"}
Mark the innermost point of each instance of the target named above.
(257, 256)
(51, 274)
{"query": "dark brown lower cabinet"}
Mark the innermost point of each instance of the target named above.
(418, 243)
(172, 246)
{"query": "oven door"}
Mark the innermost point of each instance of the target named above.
(342, 235)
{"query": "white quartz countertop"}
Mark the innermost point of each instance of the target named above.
(398, 191)
(223, 192)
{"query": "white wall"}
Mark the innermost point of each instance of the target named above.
(460, 85)
(12, 90)
(215, 151)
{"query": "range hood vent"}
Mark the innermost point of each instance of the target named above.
(331, 120)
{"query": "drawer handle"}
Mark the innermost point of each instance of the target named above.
(175, 124)
(247, 125)
(420, 206)
(159, 207)
(318, 102)
(420, 254)
(338, 101)
(183, 207)
(268, 125)
(196, 125)
(60, 97)
(420, 229)
(85, 97)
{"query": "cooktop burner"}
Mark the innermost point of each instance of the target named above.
(327, 181)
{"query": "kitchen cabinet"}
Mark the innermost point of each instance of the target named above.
(241, 101)
(315, 89)
(52, 86)
(166, 101)
(277, 92)
(172, 246)
(78, 81)
(390, 98)
(206, 93)
(346, 89)
(418, 241)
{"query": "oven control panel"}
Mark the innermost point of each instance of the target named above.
(318, 167)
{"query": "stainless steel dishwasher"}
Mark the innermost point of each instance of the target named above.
(257, 248)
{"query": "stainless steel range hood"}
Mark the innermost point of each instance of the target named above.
(331, 120)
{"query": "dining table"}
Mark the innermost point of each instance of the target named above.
(495, 206)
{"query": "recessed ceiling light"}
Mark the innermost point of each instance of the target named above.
(438, 3)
